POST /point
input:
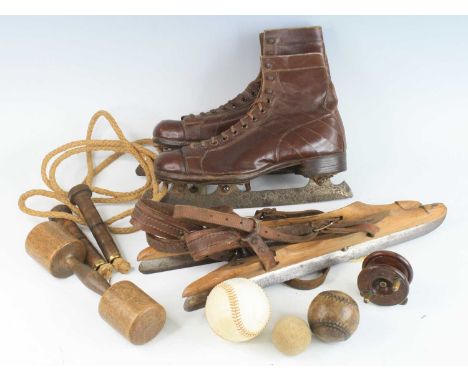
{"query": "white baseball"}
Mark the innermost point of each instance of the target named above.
(237, 309)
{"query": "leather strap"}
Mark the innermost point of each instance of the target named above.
(156, 218)
(308, 284)
(167, 245)
(266, 214)
(258, 232)
(210, 241)
(264, 253)
(163, 232)
(229, 220)
(206, 232)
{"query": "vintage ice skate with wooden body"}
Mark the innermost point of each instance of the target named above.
(273, 247)
(292, 127)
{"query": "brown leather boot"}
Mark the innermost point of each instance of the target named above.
(294, 124)
(194, 128)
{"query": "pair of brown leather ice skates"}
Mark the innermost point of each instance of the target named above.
(285, 121)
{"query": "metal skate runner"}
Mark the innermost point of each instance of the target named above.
(316, 190)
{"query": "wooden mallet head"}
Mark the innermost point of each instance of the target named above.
(51, 246)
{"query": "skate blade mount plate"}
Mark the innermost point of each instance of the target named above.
(230, 194)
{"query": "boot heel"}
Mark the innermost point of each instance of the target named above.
(323, 165)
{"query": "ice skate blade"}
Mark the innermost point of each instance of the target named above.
(170, 264)
(314, 191)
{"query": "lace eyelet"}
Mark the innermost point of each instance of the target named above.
(244, 126)
(268, 100)
(254, 119)
(225, 138)
(214, 143)
(235, 132)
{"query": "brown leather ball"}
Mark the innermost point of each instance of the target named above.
(333, 316)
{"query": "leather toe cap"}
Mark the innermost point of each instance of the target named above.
(169, 130)
(170, 161)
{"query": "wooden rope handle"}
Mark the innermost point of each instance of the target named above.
(144, 156)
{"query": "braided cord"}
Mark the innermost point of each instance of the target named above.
(119, 147)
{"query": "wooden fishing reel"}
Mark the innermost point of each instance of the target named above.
(385, 278)
(123, 305)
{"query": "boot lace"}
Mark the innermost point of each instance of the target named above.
(252, 116)
(249, 94)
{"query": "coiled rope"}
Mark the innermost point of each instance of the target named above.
(120, 146)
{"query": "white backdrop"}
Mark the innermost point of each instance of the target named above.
(402, 87)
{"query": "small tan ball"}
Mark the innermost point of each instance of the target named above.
(333, 316)
(291, 335)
